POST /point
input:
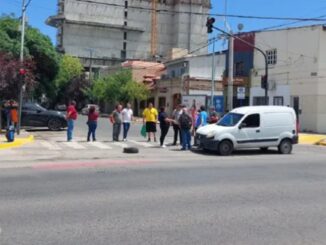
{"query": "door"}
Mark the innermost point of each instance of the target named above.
(249, 132)
(33, 116)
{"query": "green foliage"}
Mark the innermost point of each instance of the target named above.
(38, 47)
(119, 87)
(69, 68)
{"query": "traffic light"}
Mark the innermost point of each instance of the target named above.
(264, 82)
(22, 71)
(209, 24)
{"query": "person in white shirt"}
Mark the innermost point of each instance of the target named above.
(127, 117)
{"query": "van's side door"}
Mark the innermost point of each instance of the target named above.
(249, 132)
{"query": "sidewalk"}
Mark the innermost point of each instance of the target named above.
(20, 140)
(312, 139)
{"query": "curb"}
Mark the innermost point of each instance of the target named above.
(312, 139)
(17, 143)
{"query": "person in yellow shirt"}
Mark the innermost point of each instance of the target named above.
(150, 118)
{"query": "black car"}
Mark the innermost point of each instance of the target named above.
(34, 115)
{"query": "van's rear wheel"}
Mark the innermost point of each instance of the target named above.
(285, 147)
(225, 148)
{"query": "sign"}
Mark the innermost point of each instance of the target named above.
(219, 104)
(194, 100)
(241, 93)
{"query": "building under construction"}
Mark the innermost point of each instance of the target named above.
(106, 32)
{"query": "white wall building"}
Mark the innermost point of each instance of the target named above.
(297, 73)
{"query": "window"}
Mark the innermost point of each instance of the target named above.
(182, 71)
(173, 73)
(271, 56)
(239, 68)
(230, 119)
(126, 14)
(125, 36)
(124, 46)
(252, 121)
(126, 4)
(278, 100)
(161, 102)
(259, 100)
(123, 54)
(125, 23)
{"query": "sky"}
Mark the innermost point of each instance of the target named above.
(39, 10)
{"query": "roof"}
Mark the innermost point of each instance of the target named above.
(261, 109)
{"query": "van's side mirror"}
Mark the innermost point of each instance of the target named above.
(242, 125)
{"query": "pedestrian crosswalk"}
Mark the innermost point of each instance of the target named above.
(60, 144)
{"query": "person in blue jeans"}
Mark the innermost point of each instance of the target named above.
(185, 122)
(71, 117)
(127, 116)
(92, 123)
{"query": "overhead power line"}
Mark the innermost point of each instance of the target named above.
(166, 11)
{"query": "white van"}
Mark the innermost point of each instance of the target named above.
(251, 127)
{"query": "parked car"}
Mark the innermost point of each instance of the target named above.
(85, 110)
(34, 115)
(251, 127)
(60, 107)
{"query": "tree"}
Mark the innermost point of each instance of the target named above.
(70, 80)
(69, 69)
(38, 47)
(119, 87)
(10, 79)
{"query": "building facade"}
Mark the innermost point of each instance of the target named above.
(297, 73)
(189, 77)
(106, 32)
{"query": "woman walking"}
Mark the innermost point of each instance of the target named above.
(92, 123)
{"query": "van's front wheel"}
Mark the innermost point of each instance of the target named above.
(285, 147)
(225, 148)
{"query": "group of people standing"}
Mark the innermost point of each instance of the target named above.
(184, 122)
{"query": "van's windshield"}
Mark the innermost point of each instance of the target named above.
(230, 119)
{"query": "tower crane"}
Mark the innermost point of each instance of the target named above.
(154, 33)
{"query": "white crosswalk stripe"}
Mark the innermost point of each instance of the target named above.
(123, 145)
(99, 145)
(49, 146)
(74, 145)
(144, 144)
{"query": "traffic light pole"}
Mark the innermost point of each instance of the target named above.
(259, 50)
(20, 99)
(213, 74)
(230, 75)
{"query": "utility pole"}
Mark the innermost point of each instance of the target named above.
(21, 85)
(90, 63)
(230, 75)
(213, 74)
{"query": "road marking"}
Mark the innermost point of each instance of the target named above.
(144, 144)
(49, 146)
(99, 145)
(74, 145)
(123, 145)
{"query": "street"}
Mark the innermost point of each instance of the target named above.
(57, 194)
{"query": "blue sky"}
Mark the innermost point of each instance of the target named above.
(39, 10)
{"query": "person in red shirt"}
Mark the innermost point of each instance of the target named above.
(71, 117)
(92, 123)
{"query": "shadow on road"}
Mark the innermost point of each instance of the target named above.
(249, 152)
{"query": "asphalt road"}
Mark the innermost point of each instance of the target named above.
(161, 196)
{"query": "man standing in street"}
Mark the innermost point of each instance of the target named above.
(127, 115)
(71, 117)
(150, 115)
(175, 123)
(117, 121)
(185, 122)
